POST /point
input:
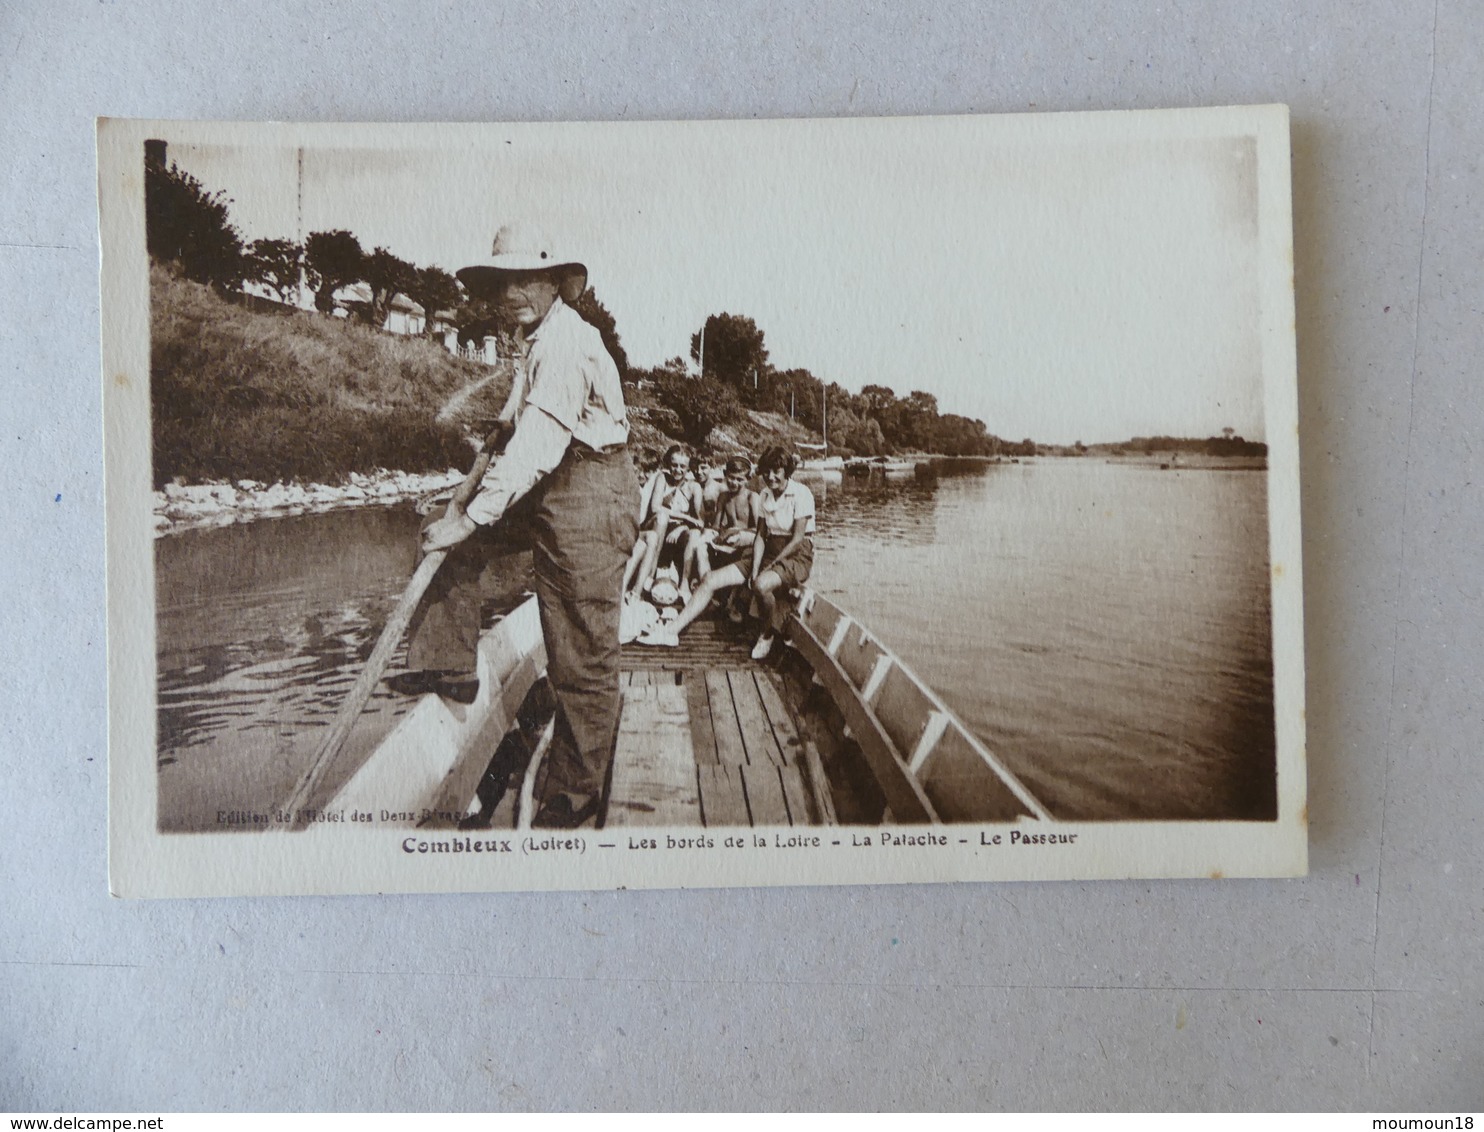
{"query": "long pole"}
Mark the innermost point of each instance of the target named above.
(386, 644)
(299, 234)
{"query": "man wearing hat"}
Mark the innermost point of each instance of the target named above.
(566, 487)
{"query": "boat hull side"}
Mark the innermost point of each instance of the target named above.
(430, 764)
(928, 764)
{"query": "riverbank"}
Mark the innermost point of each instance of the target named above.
(185, 507)
(300, 397)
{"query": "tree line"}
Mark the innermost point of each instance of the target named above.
(190, 227)
(731, 360)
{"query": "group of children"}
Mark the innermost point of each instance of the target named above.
(728, 532)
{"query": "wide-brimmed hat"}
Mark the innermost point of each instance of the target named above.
(523, 247)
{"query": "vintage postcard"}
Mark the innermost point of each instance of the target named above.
(598, 505)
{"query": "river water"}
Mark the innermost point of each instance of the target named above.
(1104, 627)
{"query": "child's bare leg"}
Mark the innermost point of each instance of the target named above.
(656, 540)
(697, 565)
(636, 559)
(765, 587)
(711, 585)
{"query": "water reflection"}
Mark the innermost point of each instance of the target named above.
(873, 508)
(262, 629)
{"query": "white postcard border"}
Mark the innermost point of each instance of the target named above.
(345, 859)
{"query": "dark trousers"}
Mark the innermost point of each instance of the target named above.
(580, 524)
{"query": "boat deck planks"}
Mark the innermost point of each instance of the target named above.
(790, 747)
(724, 723)
(698, 700)
(765, 794)
(795, 795)
(742, 752)
(654, 764)
(752, 721)
(723, 799)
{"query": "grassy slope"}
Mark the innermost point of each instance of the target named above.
(241, 394)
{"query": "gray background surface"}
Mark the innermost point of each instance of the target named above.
(1360, 986)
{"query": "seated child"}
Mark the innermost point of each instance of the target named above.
(670, 508)
(710, 477)
(731, 522)
(783, 554)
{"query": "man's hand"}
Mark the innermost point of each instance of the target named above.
(448, 531)
(500, 436)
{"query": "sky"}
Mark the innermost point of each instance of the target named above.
(1058, 280)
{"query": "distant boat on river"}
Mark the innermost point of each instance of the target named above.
(880, 465)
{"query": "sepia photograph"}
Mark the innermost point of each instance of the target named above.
(714, 503)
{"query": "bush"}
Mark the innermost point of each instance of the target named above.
(699, 404)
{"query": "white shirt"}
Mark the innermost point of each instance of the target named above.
(570, 381)
(571, 375)
(780, 513)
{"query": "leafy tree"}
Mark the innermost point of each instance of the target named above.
(734, 350)
(700, 403)
(913, 420)
(877, 400)
(185, 224)
(859, 435)
(434, 290)
(386, 275)
(331, 259)
(954, 435)
(477, 318)
(797, 389)
(591, 308)
(276, 264)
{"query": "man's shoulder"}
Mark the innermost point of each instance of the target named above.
(571, 327)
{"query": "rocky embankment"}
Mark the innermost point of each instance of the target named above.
(182, 507)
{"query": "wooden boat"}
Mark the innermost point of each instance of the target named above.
(836, 729)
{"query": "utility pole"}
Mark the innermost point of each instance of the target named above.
(299, 234)
(702, 360)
